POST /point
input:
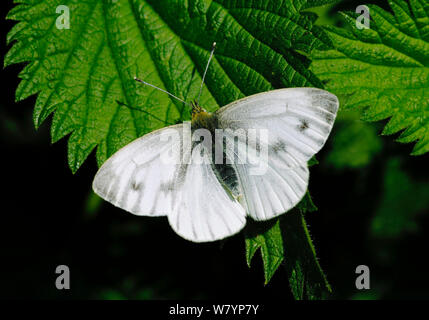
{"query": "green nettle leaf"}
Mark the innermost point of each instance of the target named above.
(80, 74)
(84, 75)
(384, 68)
(287, 240)
(306, 278)
(267, 237)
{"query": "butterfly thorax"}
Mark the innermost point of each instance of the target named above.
(201, 118)
(225, 172)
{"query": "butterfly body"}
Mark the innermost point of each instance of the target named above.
(202, 119)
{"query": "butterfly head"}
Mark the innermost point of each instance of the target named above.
(197, 111)
(201, 118)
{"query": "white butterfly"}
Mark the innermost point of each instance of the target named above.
(204, 201)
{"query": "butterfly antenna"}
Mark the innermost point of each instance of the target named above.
(170, 94)
(205, 71)
(144, 111)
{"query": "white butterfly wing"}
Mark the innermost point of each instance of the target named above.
(138, 180)
(298, 121)
(277, 190)
(299, 118)
(206, 211)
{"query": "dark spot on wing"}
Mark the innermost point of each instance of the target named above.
(279, 146)
(136, 185)
(329, 117)
(173, 186)
(303, 125)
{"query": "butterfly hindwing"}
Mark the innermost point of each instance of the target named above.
(205, 211)
(276, 189)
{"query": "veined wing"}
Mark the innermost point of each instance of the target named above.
(138, 179)
(298, 122)
(269, 185)
(298, 119)
(206, 211)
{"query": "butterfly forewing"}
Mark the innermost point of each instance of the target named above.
(137, 180)
(300, 119)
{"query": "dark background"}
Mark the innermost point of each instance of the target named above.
(50, 217)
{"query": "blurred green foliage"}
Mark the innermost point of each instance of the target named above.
(402, 199)
(354, 142)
